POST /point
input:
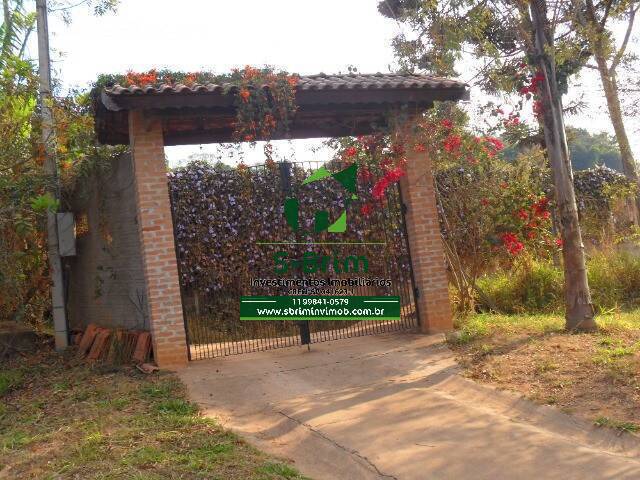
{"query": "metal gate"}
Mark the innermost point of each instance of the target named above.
(212, 314)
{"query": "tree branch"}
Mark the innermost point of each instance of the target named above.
(623, 47)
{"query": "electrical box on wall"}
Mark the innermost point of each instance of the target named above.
(66, 234)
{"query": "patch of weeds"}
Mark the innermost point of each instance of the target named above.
(279, 470)
(609, 355)
(546, 365)
(15, 439)
(608, 342)
(144, 456)
(163, 389)
(90, 448)
(176, 406)
(62, 386)
(487, 349)
(628, 427)
(10, 380)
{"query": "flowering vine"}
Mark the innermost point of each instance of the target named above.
(264, 98)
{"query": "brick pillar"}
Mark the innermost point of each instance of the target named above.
(425, 243)
(155, 229)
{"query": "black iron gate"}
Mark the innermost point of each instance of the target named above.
(254, 217)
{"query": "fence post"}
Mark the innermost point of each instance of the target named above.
(425, 245)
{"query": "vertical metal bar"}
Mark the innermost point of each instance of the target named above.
(414, 289)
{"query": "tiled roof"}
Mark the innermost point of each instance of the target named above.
(319, 82)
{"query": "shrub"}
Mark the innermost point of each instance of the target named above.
(532, 286)
(536, 286)
(614, 278)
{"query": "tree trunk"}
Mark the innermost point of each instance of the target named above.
(610, 87)
(579, 313)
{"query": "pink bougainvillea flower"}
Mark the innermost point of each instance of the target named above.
(446, 123)
(540, 207)
(495, 143)
(380, 188)
(395, 174)
(350, 152)
(366, 209)
(511, 242)
(452, 143)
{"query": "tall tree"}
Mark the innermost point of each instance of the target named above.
(504, 35)
(592, 21)
(579, 311)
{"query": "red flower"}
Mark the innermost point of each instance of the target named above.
(515, 248)
(446, 123)
(419, 148)
(523, 214)
(351, 152)
(366, 209)
(537, 108)
(504, 185)
(509, 237)
(452, 143)
(512, 243)
(395, 174)
(540, 208)
(559, 242)
(245, 94)
(379, 188)
(531, 235)
(495, 143)
(485, 201)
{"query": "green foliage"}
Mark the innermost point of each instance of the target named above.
(437, 34)
(588, 150)
(45, 203)
(531, 286)
(629, 427)
(537, 285)
(9, 380)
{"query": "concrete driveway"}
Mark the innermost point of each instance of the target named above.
(394, 406)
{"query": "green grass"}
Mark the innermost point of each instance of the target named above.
(629, 427)
(71, 421)
(475, 327)
(10, 379)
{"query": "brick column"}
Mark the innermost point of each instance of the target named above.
(425, 243)
(155, 229)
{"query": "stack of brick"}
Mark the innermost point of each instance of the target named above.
(117, 347)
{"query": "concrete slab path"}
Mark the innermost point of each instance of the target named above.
(394, 406)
